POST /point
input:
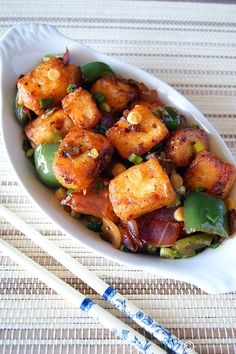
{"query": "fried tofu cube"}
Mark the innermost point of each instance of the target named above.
(94, 202)
(49, 79)
(81, 157)
(48, 128)
(81, 108)
(117, 91)
(212, 174)
(140, 189)
(179, 146)
(137, 138)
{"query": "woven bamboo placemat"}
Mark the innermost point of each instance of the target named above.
(192, 46)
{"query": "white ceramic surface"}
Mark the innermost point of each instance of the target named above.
(21, 48)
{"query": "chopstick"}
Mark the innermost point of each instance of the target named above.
(118, 327)
(163, 335)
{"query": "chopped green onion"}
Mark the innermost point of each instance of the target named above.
(93, 153)
(181, 190)
(171, 111)
(122, 248)
(197, 147)
(26, 145)
(151, 248)
(75, 215)
(49, 110)
(175, 203)
(46, 102)
(29, 153)
(199, 189)
(215, 244)
(70, 191)
(101, 129)
(71, 88)
(48, 57)
(135, 159)
(176, 254)
(100, 97)
(166, 252)
(170, 117)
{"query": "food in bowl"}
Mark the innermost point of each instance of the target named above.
(130, 167)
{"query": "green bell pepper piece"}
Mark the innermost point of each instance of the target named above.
(187, 246)
(43, 157)
(94, 70)
(22, 113)
(206, 213)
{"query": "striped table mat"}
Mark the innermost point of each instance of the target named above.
(192, 46)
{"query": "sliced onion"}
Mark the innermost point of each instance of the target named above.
(94, 202)
(130, 235)
(111, 232)
(107, 120)
(66, 57)
(160, 233)
(132, 227)
(159, 227)
(164, 214)
(150, 155)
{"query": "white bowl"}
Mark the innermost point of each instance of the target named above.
(21, 48)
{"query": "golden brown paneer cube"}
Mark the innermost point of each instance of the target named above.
(209, 172)
(81, 108)
(153, 106)
(49, 128)
(117, 91)
(81, 157)
(137, 138)
(179, 146)
(49, 80)
(94, 202)
(140, 190)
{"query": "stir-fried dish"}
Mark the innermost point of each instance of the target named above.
(129, 166)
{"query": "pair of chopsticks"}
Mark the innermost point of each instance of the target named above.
(118, 327)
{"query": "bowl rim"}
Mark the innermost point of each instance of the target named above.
(193, 270)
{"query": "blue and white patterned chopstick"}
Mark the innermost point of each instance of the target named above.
(162, 334)
(118, 327)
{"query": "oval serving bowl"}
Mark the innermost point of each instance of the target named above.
(21, 49)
